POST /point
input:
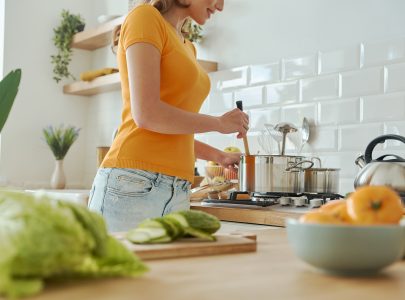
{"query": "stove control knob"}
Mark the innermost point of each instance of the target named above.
(300, 201)
(315, 203)
(284, 201)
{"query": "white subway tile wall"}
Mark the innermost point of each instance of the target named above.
(339, 111)
(259, 117)
(282, 92)
(233, 78)
(395, 77)
(252, 96)
(350, 96)
(384, 52)
(392, 106)
(320, 88)
(364, 82)
(300, 67)
(262, 74)
(339, 60)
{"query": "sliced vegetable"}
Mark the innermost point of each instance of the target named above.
(200, 220)
(175, 225)
(200, 234)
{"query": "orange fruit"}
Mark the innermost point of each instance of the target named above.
(338, 208)
(375, 205)
(320, 217)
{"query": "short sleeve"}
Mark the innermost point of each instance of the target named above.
(143, 24)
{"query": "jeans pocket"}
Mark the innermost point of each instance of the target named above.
(91, 194)
(129, 184)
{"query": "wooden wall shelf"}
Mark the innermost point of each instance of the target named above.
(98, 37)
(112, 82)
(99, 85)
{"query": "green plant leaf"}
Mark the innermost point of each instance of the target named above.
(60, 139)
(63, 35)
(8, 92)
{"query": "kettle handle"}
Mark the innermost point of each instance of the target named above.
(379, 140)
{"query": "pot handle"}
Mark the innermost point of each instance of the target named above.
(379, 140)
(316, 158)
(297, 167)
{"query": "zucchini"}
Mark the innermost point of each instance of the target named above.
(200, 234)
(175, 225)
(200, 220)
(144, 235)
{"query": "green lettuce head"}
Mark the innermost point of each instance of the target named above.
(43, 238)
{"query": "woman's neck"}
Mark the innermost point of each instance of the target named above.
(176, 18)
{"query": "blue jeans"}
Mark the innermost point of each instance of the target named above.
(125, 197)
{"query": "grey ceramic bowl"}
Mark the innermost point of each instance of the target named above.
(346, 249)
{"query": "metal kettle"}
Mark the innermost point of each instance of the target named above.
(388, 169)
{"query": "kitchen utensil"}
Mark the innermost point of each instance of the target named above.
(345, 249)
(304, 134)
(285, 128)
(225, 244)
(321, 180)
(276, 135)
(272, 173)
(264, 140)
(245, 141)
(382, 171)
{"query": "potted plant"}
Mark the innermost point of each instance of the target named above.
(59, 140)
(63, 35)
(8, 92)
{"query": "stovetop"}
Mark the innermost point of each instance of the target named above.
(283, 200)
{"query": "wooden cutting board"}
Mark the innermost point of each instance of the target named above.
(225, 244)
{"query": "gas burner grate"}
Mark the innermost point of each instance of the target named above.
(273, 198)
(309, 196)
(226, 202)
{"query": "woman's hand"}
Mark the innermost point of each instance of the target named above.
(230, 160)
(234, 121)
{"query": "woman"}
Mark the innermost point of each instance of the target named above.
(150, 166)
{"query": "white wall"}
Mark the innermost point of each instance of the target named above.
(25, 158)
(261, 31)
(2, 6)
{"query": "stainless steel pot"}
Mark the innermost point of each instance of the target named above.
(321, 180)
(272, 173)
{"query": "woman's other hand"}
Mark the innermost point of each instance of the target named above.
(230, 160)
(234, 121)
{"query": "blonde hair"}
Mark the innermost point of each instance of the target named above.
(162, 6)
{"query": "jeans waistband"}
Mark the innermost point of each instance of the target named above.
(159, 177)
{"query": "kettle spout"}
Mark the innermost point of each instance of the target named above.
(360, 161)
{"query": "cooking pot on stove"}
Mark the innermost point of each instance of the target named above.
(322, 180)
(272, 173)
(388, 169)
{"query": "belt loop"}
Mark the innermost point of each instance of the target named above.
(185, 185)
(158, 179)
(175, 179)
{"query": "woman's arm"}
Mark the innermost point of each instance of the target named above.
(150, 112)
(225, 159)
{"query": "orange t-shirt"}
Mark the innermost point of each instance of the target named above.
(183, 84)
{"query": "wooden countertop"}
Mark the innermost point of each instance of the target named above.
(273, 272)
(271, 215)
